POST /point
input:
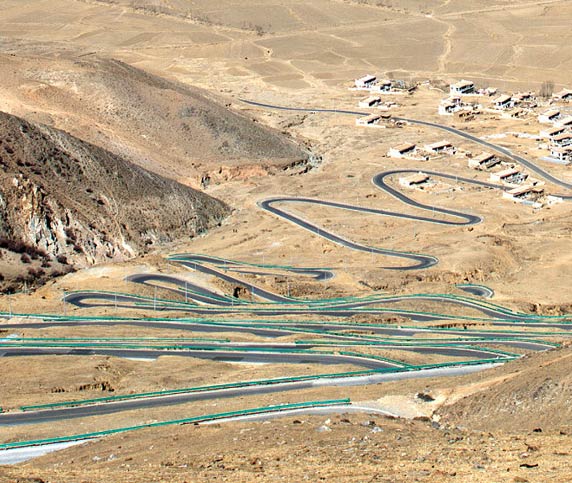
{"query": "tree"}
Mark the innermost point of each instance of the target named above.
(547, 89)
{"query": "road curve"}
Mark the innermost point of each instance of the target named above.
(457, 132)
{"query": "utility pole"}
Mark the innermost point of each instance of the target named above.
(10, 305)
(186, 292)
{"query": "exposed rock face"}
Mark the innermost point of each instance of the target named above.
(68, 197)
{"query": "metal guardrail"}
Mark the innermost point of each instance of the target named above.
(259, 382)
(196, 419)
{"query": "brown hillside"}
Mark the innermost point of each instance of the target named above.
(70, 198)
(533, 392)
(169, 128)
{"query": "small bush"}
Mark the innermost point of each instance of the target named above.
(25, 258)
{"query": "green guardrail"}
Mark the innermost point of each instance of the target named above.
(196, 419)
(259, 382)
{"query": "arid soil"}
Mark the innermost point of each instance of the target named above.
(151, 93)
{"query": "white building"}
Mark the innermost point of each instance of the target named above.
(441, 147)
(462, 87)
(450, 105)
(484, 161)
(503, 102)
(529, 194)
(414, 180)
(371, 120)
(366, 82)
(371, 101)
(553, 132)
(382, 86)
(402, 150)
(563, 95)
(563, 155)
(549, 116)
(565, 122)
(511, 176)
(562, 140)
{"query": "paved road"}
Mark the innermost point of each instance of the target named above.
(59, 414)
(219, 355)
(457, 132)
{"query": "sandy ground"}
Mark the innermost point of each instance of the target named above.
(304, 54)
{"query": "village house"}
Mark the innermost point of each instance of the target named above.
(371, 120)
(529, 194)
(414, 181)
(549, 116)
(450, 105)
(503, 102)
(552, 132)
(565, 122)
(511, 176)
(562, 140)
(563, 155)
(402, 150)
(462, 87)
(382, 86)
(563, 95)
(523, 97)
(366, 82)
(484, 161)
(441, 147)
(371, 101)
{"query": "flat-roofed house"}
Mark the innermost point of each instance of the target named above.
(450, 105)
(565, 122)
(549, 116)
(527, 193)
(503, 102)
(365, 82)
(371, 120)
(562, 140)
(402, 150)
(511, 176)
(382, 86)
(563, 95)
(552, 132)
(484, 161)
(523, 97)
(462, 87)
(564, 155)
(370, 101)
(414, 180)
(440, 147)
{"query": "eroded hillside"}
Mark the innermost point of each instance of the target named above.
(72, 199)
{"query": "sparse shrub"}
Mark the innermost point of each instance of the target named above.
(25, 258)
(62, 259)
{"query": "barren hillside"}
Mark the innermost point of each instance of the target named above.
(175, 130)
(534, 392)
(71, 199)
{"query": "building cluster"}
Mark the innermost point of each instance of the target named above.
(517, 185)
(558, 134)
(374, 85)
